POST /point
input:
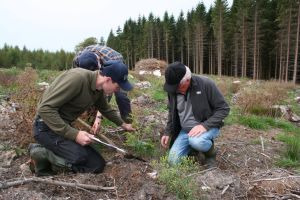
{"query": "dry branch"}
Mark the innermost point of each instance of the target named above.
(4, 185)
(274, 179)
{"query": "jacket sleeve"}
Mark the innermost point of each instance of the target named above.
(218, 105)
(168, 129)
(61, 92)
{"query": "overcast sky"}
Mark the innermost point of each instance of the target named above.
(62, 24)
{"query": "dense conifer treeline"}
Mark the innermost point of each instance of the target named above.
(39, 59)
(254, 38)
(258, 39)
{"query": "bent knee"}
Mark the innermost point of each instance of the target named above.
(99, 167)
(201, 145)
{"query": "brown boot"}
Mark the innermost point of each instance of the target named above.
(210, 157)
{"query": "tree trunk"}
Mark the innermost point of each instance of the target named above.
(254, 48)
(243, 49)
(201, 50)
(158, 45)
(280, 63)
(288, 47)
(167, 47)
(296, 49)
(188, 47)
(220, 46)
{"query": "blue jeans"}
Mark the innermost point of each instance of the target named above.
(183, 144)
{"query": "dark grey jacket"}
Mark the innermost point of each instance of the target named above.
(208, 105)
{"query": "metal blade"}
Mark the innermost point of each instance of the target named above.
(117, 148)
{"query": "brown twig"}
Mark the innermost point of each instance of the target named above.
(5, 185)
(274, 179)
(203, 171)
(225, 189)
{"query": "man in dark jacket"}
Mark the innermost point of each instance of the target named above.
(196, 113)
(69, 95)
(94, 57)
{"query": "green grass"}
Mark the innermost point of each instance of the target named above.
(293, 146)
(260, 122)
(141, 147)
(177, 179)
(159, 95)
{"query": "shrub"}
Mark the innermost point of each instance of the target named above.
(177, 179)
(140, 147)
(27, 96)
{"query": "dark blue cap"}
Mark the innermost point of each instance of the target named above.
(88, 60)
(118, 72)
(173, 75)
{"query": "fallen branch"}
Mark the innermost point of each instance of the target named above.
(225, 189)
(4, 185)
(230, 162)
(262, 143)
(274, 179)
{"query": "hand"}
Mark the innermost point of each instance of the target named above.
(197, 130)
(127, 127)
(96, 126)
(164, 141)
(83, 138)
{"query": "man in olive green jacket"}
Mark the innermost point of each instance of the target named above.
(67, 98)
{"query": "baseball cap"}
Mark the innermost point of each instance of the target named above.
(173, 75)
(88, 60)
(118, 72)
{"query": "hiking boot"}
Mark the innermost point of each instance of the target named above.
(210, 157)
(39, 163)
(197, 156)
(44, 162)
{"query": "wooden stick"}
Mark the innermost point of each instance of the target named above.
(4, 185)
(203, 171)
(274, 179)
(225, 189)
(262, 143)
(100, 135)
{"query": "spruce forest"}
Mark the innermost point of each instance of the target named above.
(257, 39)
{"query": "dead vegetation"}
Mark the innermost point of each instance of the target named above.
(268, 94)
(151, 64)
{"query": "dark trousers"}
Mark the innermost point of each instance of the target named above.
(124, 106)
(123, 103)
(80, 158)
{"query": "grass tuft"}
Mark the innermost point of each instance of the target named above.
(177, 179)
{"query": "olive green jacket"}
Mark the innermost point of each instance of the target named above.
(68, 97)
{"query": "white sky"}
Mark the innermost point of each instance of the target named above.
(62, 24)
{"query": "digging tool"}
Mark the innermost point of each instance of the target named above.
(126, 154)
(109, 145)
(100, 135)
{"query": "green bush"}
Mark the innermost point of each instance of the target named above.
(140, 147)
(177, 179)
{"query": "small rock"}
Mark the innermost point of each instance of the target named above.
(153, 174)
(24, 168)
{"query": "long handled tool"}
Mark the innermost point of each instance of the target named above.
(109, 145)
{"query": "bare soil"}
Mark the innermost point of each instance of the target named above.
(245, 170)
